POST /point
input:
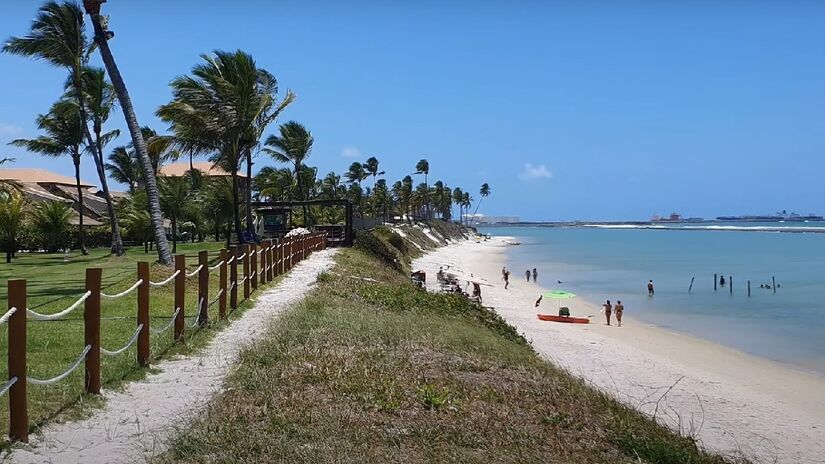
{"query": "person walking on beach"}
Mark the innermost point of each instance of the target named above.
(527, 274)
(535, 275)
(619, 310)
(503, 272)
(650, 290)
(506, 279)
(608, 308)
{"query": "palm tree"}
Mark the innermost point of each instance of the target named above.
(466, 202)
(138, 223)
(484, 192)
(371, 168)
(100, 99)
(331, 186)
(423, 167)
(52, 219)
(123, 168)
(92, 8)
(292, 146)
(12, 215)
(458, 199)
(217, 199)
(222, 109)
(64, 136)
(175, 196)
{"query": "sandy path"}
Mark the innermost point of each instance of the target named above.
(734, 403)
(136, 422)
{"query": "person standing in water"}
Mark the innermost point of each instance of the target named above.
(722, 281)
(650, 290)
(608, 308)
(535, 275)
(527, 274)
(619, 310)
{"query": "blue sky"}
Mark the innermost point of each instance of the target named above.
(570, 110)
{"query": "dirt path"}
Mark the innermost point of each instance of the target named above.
(136, 422)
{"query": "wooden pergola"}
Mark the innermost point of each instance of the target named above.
(294, 204)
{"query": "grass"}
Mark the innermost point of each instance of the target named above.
(364, 371)
(52, 346)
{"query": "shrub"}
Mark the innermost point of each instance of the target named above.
(372, 244)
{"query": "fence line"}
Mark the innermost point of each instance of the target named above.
(259, 264)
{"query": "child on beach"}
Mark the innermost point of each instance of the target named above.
(619, 310)
(608, 308)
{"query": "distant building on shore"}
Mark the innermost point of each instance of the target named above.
(480, 219)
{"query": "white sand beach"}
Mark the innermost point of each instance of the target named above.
(735, 404)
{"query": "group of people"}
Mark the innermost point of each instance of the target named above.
(609, 309)
(505, 275)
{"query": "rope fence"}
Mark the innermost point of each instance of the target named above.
(239, 267)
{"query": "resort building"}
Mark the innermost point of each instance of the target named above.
(206, 168)
(42, 185)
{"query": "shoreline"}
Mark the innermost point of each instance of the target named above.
(732, 402)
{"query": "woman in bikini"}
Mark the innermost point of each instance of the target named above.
(619, 310)
(608, 308)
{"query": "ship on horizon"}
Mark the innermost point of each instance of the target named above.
(782, 216)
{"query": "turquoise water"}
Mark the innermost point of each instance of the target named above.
(787, 326)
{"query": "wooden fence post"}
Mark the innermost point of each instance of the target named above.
(291, 251)
(245, 252)
(18, 405)
(223, 285)
(269, 262)
(180, 295)
(253, 265)
(233, 277)
(203, 288)
(264, 252)
(279, 253)
(143, 315)
(91, 329)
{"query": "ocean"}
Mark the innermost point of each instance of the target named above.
(599, 263)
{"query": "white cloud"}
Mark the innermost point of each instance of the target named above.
(531, 172)
(351, 152)
(9, 129)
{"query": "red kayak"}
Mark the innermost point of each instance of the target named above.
(568, 319)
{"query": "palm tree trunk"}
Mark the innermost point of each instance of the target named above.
(236, 213)
(248, 195)
(174, 235)
(164, 255)
(81, 234)
(477, 206)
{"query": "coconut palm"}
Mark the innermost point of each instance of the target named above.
(222, 110)
(138, 224)
(292, 145)
(175, 196)
(423, 167)
(466, 202)
(51, 218)
(458, 199)
(371, 168)
(12, 215)
(331, 186)
(356, 173)
(92, 8)
(63, 129)
(484, 192)
(123, 168)
(218, 200)
(100, 100)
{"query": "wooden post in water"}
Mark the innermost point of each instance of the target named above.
(730, 284)
(143, 314)
(691, 284)
(749, 288)
(715, 279)
(203, 288)
(18, 406)
(774, 283)
(223, 285)
(180, 295)
(91, 329)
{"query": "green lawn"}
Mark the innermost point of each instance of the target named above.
(52, 346)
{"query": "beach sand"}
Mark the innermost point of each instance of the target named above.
(733, 403)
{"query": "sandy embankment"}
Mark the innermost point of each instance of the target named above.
(733, 403)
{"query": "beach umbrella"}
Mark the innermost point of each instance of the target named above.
(558, 295)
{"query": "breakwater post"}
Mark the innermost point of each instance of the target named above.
(774, 283)
(730, 283)
(749, 288)
(691, 284)
(715, 279)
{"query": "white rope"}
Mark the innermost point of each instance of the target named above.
(166, 327)
(197, 316)
(195, 272)
(123, 293)
(164, 282)
(242, 280)
(51, 317)
(215, 300)
(241, 257)
(254, 273)
(126, 346)
(230, 260)
(260, 251)
(62, 376)
(215, 266)
(5, 317)
(7, 385)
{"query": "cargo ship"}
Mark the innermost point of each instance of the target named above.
(778, 217)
